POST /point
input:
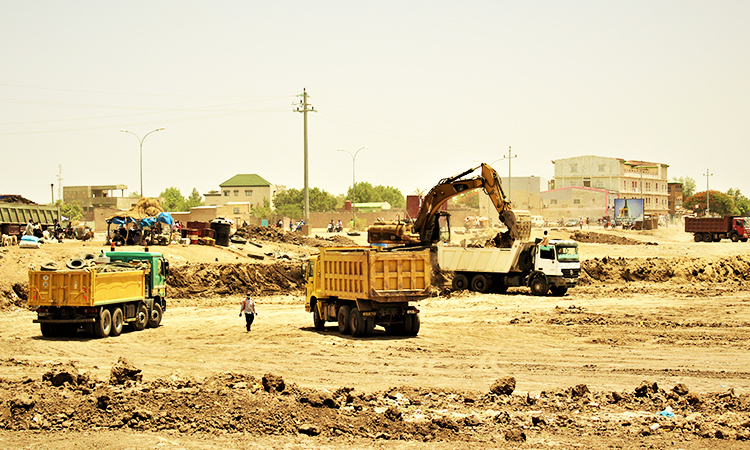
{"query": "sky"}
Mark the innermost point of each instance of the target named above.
(430, 88)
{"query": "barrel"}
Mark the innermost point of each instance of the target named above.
(222, 227)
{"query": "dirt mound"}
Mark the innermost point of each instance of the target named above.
(279, 235)
(241, 403)
(659, 270)
(211, 280)
(593, 237)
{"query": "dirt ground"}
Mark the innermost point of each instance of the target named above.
(650, 351)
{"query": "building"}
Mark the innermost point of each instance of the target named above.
(524, 193)
(575, 201)
(675, 198)
(90, 197)
(620, 177)
(243, 188)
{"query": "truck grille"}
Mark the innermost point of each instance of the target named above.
(571, 273)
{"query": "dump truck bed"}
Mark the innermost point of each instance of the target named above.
(84, 287)
(475, 259)
(364, 273)
(708, 224)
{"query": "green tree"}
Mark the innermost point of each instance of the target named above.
(194, 200)
(262, 212)
(72, 210)
(290, 203)
(468, 200)
(719, 203)
(688, 186)
(741, 203)
(172, 200)
(367, 193)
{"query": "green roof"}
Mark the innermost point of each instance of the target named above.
(245, 179)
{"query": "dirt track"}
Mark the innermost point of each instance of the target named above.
(611, 335)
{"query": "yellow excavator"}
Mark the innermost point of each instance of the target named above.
(431, 224)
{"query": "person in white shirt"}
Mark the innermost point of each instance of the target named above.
(248, 307)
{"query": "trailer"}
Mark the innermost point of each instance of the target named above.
(361, 287)
(714, 229)
(15, 215)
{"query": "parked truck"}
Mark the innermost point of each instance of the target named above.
(121, 288)
(13, 216)
(714, 229)
(543, 265)
(361, 287)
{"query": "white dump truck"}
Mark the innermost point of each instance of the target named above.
(544, 266)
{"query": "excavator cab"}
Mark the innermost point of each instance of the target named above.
(439, 229)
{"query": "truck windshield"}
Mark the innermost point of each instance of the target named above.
(567, 253)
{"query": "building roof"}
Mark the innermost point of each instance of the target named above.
(245, 179)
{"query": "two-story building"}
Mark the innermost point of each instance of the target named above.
(242, 188)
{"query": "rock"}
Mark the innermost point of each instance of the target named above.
(579, 391)
(393, 414)
(21, 403)
(472, 421)
(515, 435)
(309, 429)
(60, 374)
(538, 421)
(616, 396)
(693, 399)
(445, 422)
(318, 399)
(680, 389)
(503, 386)
(273, 383)
(124, 371)
(646, 388)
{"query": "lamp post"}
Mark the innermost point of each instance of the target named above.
(140, 141)
(354, 188)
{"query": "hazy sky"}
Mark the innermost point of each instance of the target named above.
(430, 87)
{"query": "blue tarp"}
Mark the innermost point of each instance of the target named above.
(163, 217)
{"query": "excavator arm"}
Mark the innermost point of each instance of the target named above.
(421, 231)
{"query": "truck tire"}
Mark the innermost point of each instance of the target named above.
(156, 314)
(357, 323)
(707, 237)
(734, 237)
(559, 291)
(480, 283)
(48, 330)
(697, 237)
(412, 324)
(319, 323)
(103, 325)
(141, 318)
(343, 318)
(117, 322)
(460, 282)
(539, 286)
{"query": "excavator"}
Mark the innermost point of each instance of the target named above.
(429, 227)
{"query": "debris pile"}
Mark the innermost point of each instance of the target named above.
(592, 237)
(279, 235)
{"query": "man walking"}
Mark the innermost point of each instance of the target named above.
(248, 307)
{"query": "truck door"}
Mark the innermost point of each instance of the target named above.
(545, 260)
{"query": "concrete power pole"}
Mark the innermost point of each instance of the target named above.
(59, 182)
(304, 108)
(509, 157)
(707, 174)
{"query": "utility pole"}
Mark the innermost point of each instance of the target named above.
(708, 193)
(52, 188)
(59, 182)
(509, 158)
(303, 107)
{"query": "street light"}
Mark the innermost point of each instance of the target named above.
(354, 188)
(140, 141)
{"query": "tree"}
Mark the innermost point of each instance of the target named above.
(688, 186)
(194, 200)
(72, 210)
(172, 200)
(291, 202)
(262, 212)
(468, 200)
(719, 203)
(741, 202)
(367, 193)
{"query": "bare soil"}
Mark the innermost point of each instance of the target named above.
(652, 329)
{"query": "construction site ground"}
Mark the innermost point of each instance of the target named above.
(650, 351)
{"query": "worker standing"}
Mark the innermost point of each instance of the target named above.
(248, 308)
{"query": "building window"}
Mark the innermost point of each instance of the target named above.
(236, 210)
(574, 168)
(602, 167)
(600, 184)
(553, 201)
(248, 192)
(226, 193)
(576, 201)
(236, 193)
(587, 182)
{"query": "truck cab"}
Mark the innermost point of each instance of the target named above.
(556, 265)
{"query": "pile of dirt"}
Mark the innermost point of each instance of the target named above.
(660, 270)
(231, 402)
(279, 235)
(211, 280)
(593, 237)
(17, 199)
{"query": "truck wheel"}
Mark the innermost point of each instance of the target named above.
(559, 291)
(480, 283)
(48, 330)
(697, 237)
(156, 313)
(707, 237)
(357, 323)
(117, 322)
(460, 282)
(319, 323)
(735, 237)
(343, 318)
(103, 326)
(412, 324)
(539, 286)
(141, 318)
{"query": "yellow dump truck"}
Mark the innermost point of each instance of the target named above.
(360, 287)
(129, 289)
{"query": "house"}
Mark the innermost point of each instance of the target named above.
(105, 196)
(243, 188)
